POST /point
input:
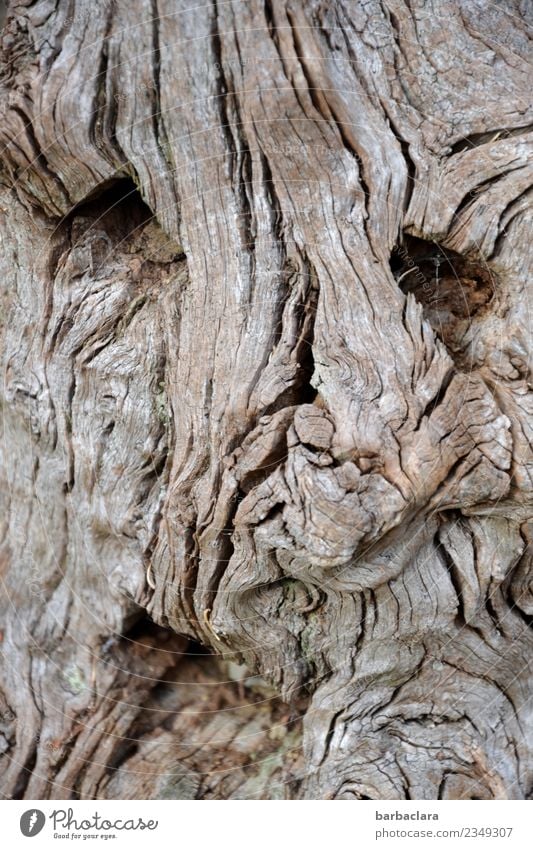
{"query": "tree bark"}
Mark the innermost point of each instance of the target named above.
(266, 388)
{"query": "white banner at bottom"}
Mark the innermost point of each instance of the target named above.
(240, 824)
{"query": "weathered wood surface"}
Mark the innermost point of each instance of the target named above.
(266, 380)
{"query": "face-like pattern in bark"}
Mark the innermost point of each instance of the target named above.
(286, 401)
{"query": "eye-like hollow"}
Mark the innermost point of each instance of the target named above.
(115, 207)
(452, 289)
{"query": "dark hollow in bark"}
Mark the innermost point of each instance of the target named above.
(266, 471)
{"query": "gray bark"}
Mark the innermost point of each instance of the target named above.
(266, 387)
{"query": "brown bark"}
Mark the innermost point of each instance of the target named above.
(266, 384)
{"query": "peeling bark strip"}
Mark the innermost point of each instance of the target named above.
(266, 381)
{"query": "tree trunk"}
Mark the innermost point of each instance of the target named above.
(266, 388)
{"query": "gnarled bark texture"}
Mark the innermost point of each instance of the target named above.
(266, 387)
